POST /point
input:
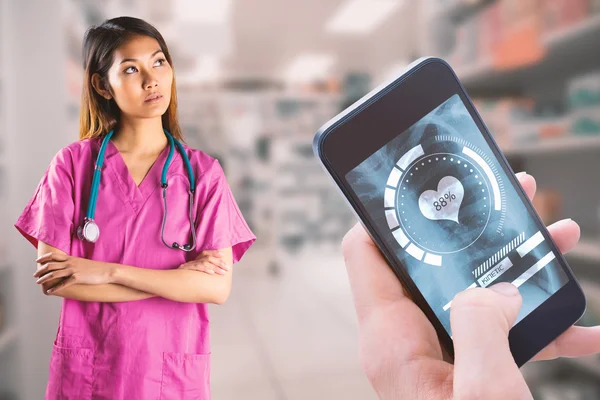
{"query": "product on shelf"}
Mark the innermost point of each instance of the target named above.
(515, 121)
(467, 36)
(514, 12)
(586, 121)
(510, 34)
(583, 97)
(490, 30)
(505, 33)
(584, 90)
(520, 45)
(503, 117)
(557, 15)
(551, 119)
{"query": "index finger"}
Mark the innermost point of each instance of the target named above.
(50, 257)
(48, 267)
(43, 258)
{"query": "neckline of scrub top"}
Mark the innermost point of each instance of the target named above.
(137, 195)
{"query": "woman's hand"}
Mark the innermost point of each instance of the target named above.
(209, 261)
(68, 271)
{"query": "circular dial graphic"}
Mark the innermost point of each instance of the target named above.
(440, 202)
(443, 203)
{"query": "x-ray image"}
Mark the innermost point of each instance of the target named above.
(441, 201)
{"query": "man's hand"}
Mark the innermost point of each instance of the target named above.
(399, 348)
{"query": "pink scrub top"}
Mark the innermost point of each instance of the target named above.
(147, 349)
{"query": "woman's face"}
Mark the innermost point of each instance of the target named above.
(141, 78)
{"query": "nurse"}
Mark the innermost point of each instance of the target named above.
(140, 243)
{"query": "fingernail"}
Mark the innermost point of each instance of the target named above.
(505, 288)
(522, 173)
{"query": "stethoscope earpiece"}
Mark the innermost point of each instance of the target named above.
(90, 232)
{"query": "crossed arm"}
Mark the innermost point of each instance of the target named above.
(87, 280)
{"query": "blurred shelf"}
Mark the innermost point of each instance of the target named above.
(588, 249)
(476, 71)
(462, 9)
(562, 145)
(570, 51)
(590, 26)
(7, 336)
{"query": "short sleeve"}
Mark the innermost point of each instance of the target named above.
(220, 223)
(49, 214)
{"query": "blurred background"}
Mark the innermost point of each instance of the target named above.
(256, 79)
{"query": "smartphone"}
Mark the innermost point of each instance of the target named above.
(428, 182)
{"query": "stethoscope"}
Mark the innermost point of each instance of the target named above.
(90, 231)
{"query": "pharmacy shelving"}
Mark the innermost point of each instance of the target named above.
(563, 144)
(457, 10)
(567, 36)
(307, 208)
(566, 52)
(557, 162)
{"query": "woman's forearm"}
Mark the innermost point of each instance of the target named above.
(106, 293)
(175, 284)
(110, 282)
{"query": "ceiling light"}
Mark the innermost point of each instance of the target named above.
(361, 16)
(309, 67)
(204, 11)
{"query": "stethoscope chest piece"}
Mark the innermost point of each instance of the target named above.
(89, 231)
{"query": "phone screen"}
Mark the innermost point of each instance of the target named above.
(440, 199)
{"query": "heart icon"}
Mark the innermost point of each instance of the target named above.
(445, 203)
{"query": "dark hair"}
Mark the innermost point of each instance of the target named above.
(98, 115)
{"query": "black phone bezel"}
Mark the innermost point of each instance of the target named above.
(341, 145)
